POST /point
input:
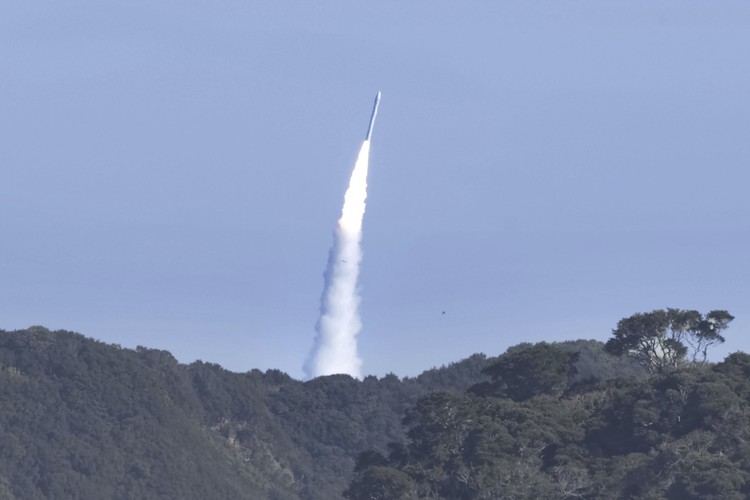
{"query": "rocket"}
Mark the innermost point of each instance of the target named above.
(372, 118)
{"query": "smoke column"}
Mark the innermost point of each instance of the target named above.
(335, 348)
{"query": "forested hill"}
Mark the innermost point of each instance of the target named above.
(83, 419)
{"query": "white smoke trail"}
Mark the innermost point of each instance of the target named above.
(335, 348)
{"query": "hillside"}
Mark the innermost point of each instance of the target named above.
(83, 419)
(535, 432)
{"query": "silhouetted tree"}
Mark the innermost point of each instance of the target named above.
(662, 339)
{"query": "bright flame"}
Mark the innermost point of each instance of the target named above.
(335, 349)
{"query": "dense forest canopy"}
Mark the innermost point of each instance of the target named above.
(577, 419)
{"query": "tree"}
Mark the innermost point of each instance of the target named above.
(663, 339)
(529, 371)
(705, 476)
(707, 332)
(378, 482)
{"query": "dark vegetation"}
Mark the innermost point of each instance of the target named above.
(83, 419)
(578, 419)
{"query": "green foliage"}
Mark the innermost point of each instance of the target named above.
(594, 364)
(705, 476)
(662, 339)
(457, 376)
(381, 483)
(482, 447)
(81, 419)
(675, 434)
(530, 371)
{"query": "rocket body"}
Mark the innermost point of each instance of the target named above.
(372, 118)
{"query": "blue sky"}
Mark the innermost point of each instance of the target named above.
(171, 172)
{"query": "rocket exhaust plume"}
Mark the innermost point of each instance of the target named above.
(335, 348)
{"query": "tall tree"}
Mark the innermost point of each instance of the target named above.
(663, 339)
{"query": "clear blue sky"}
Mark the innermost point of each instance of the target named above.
(171, 171)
